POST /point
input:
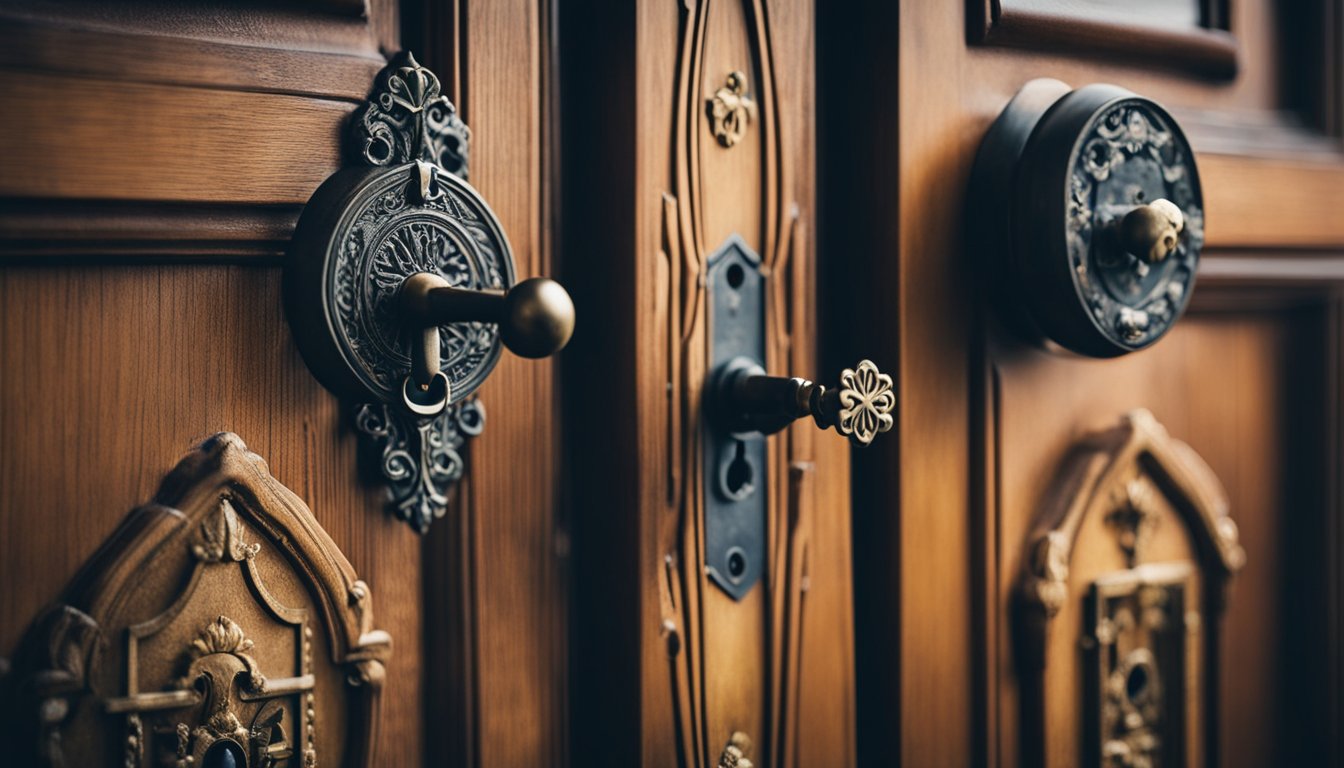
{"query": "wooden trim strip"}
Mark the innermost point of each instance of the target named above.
(1298, 205)
(1210, 53)
(181, 61)
(37, 230)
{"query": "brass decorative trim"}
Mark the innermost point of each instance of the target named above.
(173, 639)
(731, 110)
(1098, 476)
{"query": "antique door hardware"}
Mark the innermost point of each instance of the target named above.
(400, 290)
(743, 405)
(219, 625)
(1139, 591)
(1091, 216)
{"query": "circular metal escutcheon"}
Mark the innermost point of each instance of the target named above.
(1064, 168)
(363, 232)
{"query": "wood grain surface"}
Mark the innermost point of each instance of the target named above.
(900, 124)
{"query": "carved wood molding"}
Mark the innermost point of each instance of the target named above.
(1112, 473)
(722, 114)
(191, 632)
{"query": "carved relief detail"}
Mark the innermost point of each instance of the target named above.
(711, 112)
(1101, 478)
(731, 110)
(1143, 628)
(174, 644)
(735, 752)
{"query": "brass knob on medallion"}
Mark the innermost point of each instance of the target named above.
(1151, 232)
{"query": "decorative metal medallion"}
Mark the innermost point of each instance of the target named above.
(731, 110)
(1090, 218)
(1130, 156)
(387, 233)
(402, 208)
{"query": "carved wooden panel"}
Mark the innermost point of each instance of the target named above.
(1127, 563)
(219, 625)
(717, 148)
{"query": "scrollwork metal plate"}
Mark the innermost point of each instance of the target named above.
(403, 207)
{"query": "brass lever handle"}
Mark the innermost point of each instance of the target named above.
(535, 318)
(749, 400)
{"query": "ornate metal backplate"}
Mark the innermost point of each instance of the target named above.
(735, 464)
(1056, 175)
(402, 207)
(217, 626)
(1131, 154)
(1141, 657)
(1143, 627)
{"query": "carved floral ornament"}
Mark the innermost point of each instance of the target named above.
(144, 654)
(1117, 474)
(731, 110)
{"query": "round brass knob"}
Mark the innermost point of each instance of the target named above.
(538, 318)
(1150, 232)
(535, 317)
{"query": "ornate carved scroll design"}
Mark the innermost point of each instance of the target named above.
(418, 459)
(449, 233)
(407, 118)
(173, 641)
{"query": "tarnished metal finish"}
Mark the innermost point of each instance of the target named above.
(407, 118)
(743, 404)
(735, 469)
(400, 290)
(418, 459)
(363, 233)
(1095, 197)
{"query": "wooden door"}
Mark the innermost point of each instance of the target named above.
(157, 160)
(687, 132)
(949, 517)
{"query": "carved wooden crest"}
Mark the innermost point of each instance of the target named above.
(1135, 546)
(218, 626)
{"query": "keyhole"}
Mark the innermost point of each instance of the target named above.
(736, 275)
(739, 475)
(737, 563)
(1136, 684)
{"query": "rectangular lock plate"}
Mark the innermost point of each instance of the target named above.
(735, 465)
(1142, 646)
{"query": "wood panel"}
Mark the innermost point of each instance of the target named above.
(682, 665)
(151, 360)
(160, 147)
(900, 125)
(505, 607)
